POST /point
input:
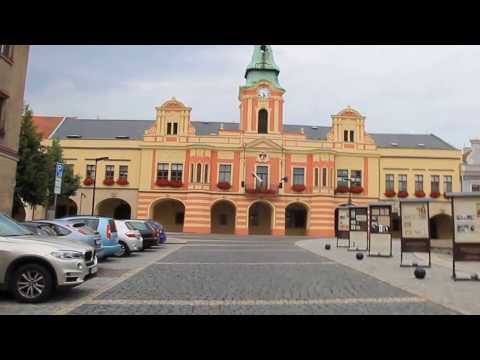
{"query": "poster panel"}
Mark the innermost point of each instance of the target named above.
(467, 220)
(343, 220)
(415, 221)
(358, 229)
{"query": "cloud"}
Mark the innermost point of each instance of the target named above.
(408, 89)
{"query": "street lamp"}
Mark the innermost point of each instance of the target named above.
(95, 181)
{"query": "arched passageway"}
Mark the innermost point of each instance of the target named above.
(296, 219)
(170, 213)
(115, 208)
(223, 218)
(260, 217)
(66, 207)
(440, 227)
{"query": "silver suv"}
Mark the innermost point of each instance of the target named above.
(32, 267)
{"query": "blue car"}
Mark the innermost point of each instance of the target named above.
(159, 231)
(106, 227)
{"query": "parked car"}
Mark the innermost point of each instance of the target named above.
(147, 233)
(39, 229)
(32, 267)
(74, 231)
(160, 233)
(129, 238)
(107, 229)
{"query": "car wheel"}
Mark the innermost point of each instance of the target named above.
(123, 250)
(32, 283)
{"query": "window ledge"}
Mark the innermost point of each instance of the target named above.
(8, 60)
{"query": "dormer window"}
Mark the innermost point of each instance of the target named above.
(349, 136)
(352, 136)
(172, 129)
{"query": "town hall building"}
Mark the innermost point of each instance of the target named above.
(260, 175)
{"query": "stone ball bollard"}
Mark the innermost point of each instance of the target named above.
(420, 273)
(327, 247)
(359, 256)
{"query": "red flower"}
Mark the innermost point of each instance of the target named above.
(390, 194)
(434, 194)
(224, 185)
(108, 182)
(176, 184)
(162, 182)
(122, 182)
(342, 190)
(420, 194)
(402, 194)
(356, 189)
(88, 181)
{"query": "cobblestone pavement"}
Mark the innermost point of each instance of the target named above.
(249, 275)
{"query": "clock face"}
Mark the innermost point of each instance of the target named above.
(264, 92)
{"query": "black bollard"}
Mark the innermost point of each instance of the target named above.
(359, 256)
(420, 273)
(327, 247)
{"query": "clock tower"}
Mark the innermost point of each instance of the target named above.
(261, 98)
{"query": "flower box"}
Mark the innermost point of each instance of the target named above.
(390, 194)
(356, 189)
(420, 194)
(224, 185)
(176, 184)
(162, 183)
(402, 194)
(298, 187)
(88, 181)
(435, 194)
(108, 182)
(122, 182)
(342, 190)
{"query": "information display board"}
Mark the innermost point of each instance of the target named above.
(343, 226)
(358, 240)
(415, 238)
(380, 235)
(466, 230)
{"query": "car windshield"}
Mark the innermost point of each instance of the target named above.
(8, 227)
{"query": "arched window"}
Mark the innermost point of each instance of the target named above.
(263, 121)
(199, 173)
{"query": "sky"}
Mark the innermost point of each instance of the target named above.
(399, 89)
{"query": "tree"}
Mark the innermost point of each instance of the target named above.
(32, 179)
(71, 182)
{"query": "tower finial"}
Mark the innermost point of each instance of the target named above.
(262, 66)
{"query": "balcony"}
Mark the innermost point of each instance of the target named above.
(261, 189)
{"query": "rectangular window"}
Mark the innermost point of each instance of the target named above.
(418, 183)
(169, 129)
(175, 129)
(345, 135)
(110, 172)
(177, 172)
(205, 174)
(475, 188)
(262, 173)
(3, 102)
(342, 177)
(7, 51)
(402, 183)
(90, 171)
(447, 184)
(356, 178)
(435, 183)
(162, 171)
(123, 172)
(225, 173)
(298, 176)
(192, 169)
(389, 183)
(199, 173)
(352, 136)
(317, 175)
(324, 177)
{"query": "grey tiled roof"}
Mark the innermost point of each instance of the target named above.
(134, 129)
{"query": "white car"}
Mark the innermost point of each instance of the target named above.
(129, 239)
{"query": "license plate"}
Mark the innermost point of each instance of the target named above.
(93, 270)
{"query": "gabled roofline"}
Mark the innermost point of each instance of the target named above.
(56, 128)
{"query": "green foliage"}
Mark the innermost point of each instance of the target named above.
(32, 178)
(70, 183)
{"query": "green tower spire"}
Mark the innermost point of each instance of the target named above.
(262, 67)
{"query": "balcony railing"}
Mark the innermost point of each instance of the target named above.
(261, 189)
